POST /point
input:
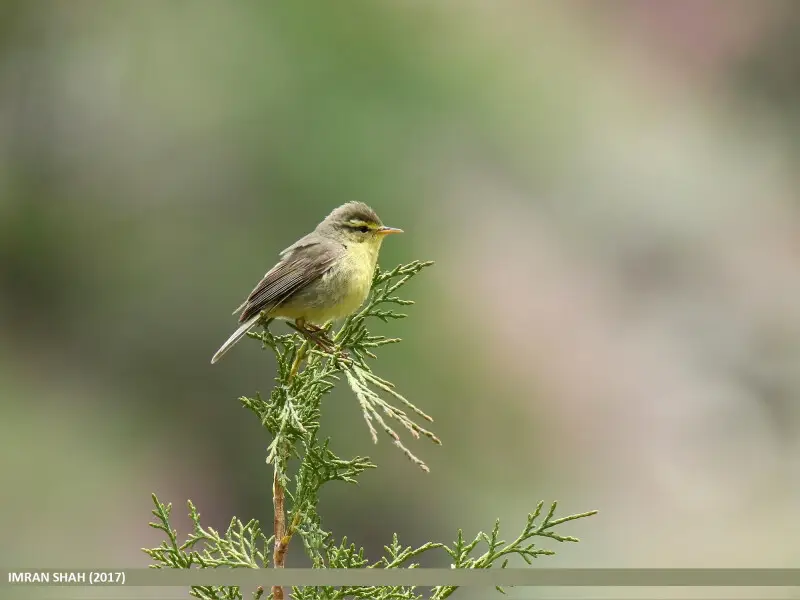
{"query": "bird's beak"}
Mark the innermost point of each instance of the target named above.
(388, 230)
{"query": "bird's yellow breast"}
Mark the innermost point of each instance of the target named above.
(354, 274)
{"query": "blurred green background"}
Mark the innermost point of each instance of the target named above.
(609, 190)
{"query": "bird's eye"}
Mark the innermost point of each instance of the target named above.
(363, 229)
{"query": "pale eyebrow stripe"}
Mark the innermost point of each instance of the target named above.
(360, 223)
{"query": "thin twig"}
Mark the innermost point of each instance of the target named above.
(301, 354)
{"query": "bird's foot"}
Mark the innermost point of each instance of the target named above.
(319, 337)
(313, 328)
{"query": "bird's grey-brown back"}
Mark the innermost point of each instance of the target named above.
(300, 265)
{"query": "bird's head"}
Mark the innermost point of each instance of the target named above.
(356, 223)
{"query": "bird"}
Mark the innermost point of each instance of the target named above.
(324, 276)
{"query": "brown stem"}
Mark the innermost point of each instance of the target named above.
(283, 535)
(280, 549)
(279, 523)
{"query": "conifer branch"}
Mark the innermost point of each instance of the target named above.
(291, 415)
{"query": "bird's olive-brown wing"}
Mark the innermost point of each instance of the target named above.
(297, 269)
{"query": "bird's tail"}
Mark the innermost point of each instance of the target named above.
(235, 337)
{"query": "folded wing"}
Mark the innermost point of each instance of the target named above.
(299, 266)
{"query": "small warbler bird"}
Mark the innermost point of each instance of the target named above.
(322, 277)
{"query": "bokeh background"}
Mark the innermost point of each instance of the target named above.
(609, 190)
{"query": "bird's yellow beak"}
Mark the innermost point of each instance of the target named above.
(388, 230)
